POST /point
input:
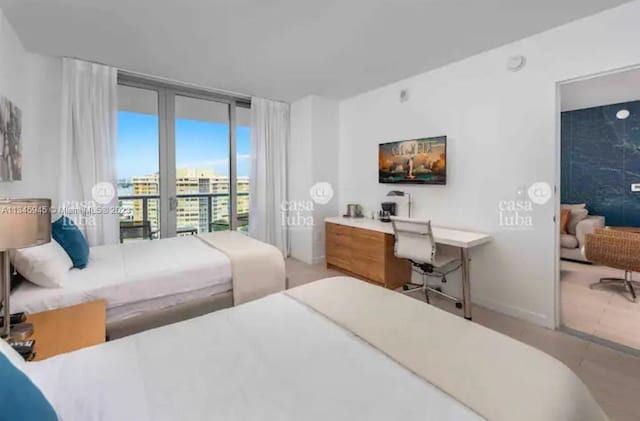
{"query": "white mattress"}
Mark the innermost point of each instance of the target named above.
(135, 277)
(271, 359)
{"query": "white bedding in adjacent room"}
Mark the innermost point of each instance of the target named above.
(135, 277)
(271, 359)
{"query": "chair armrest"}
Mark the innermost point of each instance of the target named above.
(588, 226)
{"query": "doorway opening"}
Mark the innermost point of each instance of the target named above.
(599, 216)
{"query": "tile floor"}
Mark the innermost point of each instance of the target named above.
(605, 312)
(612, 376)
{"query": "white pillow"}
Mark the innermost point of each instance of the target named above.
(46, 265)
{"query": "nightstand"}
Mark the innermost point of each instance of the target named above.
(68, 329)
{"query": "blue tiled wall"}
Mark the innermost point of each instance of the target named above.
(600, 161)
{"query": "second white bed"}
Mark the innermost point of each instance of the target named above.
(271, 359)
(136, 277)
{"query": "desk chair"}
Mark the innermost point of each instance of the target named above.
(414, 241)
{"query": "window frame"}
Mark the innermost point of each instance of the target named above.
(167, 92)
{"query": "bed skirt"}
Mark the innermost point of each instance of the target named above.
(174, 314)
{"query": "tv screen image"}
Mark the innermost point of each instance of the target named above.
(417, 161)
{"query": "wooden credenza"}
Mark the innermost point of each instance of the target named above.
(365, 254)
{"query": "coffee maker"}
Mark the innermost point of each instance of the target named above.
(388, 210)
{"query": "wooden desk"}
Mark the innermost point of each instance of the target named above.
(364, 247)
(365, 254)
(68, 329)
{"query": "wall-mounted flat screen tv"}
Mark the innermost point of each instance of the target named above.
(417, 161)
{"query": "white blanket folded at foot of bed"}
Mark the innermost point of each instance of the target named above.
(499, 378)
(258, 268)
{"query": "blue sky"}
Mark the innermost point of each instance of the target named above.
(199, 144)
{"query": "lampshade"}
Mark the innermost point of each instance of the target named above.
(393, 193)
(24, 223)
(399, 193)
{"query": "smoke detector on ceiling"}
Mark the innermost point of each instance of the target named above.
(516, 63)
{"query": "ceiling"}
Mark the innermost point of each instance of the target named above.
(284, 49)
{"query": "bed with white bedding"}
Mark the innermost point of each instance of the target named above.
(134, 277)
(150, 277)
(337, 349)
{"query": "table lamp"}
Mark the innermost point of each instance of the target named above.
(398, 193)
(23, 223)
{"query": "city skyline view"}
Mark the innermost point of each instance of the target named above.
(202, 167)
(199, 145)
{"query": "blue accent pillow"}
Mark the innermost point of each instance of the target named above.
(68, 235)
(20, 399)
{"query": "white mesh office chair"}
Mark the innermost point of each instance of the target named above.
(414, 241)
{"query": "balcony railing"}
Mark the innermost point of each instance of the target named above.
(146, 227)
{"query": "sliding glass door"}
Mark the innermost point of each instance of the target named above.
(202, 168)
(138, 162)
(196, 179)
(243, 165)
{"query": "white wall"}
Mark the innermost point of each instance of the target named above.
(602, 90)
(501, 128)
(313, 158)
(326, 139)
(33, 82)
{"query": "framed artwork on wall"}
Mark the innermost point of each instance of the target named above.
(416, 161)
(10, 145)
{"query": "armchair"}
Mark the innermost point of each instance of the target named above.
(616, 249)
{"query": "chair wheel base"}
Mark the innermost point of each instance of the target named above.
(627, 283)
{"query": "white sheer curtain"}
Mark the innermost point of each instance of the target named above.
(268, 180)
(88, 153)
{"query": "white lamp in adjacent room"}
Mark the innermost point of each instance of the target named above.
(23, 223)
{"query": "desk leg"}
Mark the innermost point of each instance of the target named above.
(466, 284)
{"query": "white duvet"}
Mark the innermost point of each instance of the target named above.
(134, 277)
(272, 359)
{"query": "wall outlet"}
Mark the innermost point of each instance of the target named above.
(635, 187)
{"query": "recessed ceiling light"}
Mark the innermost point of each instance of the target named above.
(622, 114)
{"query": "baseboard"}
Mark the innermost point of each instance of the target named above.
(517, 312)
(601, 341)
